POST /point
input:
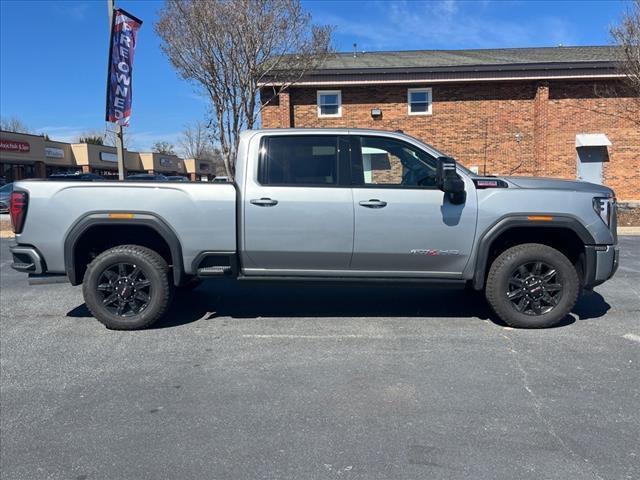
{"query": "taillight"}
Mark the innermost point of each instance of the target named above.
(18, 210)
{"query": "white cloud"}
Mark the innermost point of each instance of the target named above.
(64, 133)
(141, 140)
(447, 24)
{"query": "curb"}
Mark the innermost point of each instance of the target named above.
(628, 230)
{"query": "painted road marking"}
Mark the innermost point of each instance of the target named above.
(374, 337)
(632, 337)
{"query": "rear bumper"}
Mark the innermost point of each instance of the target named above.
(601, 263)
(27, 259)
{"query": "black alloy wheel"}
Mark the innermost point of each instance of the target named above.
(125, 289)
(534, 288)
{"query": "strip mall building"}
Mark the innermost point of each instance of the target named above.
(33, 156)
(557, 112)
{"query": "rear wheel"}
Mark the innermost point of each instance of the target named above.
(127, 287)
(532, 286)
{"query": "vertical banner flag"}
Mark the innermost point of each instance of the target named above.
(124, 29)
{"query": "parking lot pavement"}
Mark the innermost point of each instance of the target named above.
(248, 382)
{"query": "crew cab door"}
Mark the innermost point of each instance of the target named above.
(298, 206)
(404, 225)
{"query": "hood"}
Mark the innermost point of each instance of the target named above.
(558, 184)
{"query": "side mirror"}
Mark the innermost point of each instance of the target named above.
(448, 180)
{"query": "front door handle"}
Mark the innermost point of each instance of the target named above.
(373, 203)
(264, 202)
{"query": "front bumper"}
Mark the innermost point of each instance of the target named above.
(601, 263)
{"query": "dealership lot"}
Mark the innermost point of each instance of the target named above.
(319, 382)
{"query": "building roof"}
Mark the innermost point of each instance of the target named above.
(439, 66)
(470, 58)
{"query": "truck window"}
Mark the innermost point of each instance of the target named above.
(299, 160)
(386, 161)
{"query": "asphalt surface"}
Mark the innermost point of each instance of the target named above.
(248, 382)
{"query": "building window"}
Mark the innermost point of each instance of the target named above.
(329, 103)
(419, 101)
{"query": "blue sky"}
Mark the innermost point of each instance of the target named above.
(53, 54)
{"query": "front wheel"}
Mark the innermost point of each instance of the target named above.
(532, 286)
(127, 287)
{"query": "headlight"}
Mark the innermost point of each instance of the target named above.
(604, 206)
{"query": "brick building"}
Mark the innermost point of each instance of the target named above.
(558, 111)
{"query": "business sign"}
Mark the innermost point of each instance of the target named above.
(166, 162)
(124, 30)
(52, 152)
(108, 157)
(11, 146)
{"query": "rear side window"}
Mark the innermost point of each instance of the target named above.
(299, 160)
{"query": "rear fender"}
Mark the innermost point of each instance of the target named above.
(146, 219)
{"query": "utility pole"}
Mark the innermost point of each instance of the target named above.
(119, 138)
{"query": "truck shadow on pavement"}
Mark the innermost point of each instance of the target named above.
(216, 299)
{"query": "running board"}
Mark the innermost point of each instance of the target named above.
(215, 271)
(401, 281)
(47, 278)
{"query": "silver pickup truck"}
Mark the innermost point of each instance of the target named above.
(321, 205)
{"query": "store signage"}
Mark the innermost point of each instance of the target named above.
(108, 157)
(166, 162)
(12, 146)
(52, 152)
(124, 31)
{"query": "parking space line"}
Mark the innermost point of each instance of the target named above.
(313, 337)
(632, 337)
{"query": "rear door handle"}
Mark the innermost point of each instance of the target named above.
(264, 202)
(373, 203)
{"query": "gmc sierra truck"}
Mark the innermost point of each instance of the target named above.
(341, 205)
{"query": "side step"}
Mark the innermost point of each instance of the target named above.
(214, 271)
(47, 278)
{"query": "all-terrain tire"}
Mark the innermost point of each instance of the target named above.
(500, 278)
(152, 267)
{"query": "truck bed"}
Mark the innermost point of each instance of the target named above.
(202, 215)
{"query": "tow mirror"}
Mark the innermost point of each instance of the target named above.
(449, 181)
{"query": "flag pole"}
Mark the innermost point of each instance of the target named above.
(119, 137)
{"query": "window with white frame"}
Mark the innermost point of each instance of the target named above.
(329, 103)
(419, 101)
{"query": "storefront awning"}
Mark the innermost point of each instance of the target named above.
(592, 140)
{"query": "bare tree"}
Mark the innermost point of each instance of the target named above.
(92, 137)
(165, 148)
(627, 36)
(13, 124)
(110, 136)
(228, 47)
(195, 142)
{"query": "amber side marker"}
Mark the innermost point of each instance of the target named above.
(540, 218)
(121, 215)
